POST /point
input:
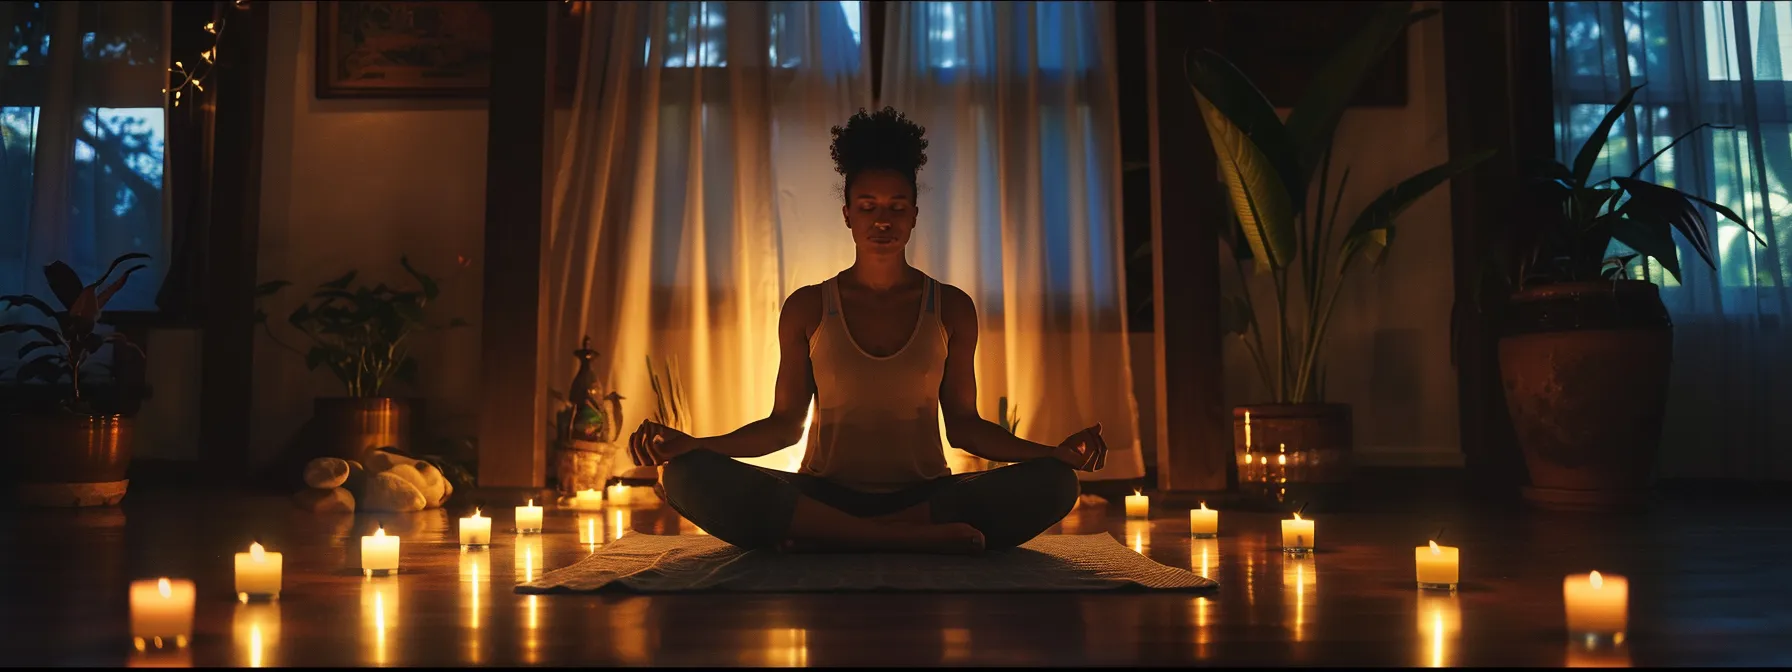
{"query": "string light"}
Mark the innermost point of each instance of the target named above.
(195, 79)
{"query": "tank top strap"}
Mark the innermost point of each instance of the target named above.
(830, 297)
(932, 291)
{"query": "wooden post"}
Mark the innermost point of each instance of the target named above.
(518, 191)
(1193, 437)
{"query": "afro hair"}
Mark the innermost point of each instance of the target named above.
(882, 140)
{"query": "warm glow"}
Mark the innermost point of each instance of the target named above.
(531, 503)
(1434, 549)
(1281, 459)
(257, 553)
(1297, 515)
(476, 512)
(1136, 492)
(380, 531)
(1203, 506)
(167, 591)
(1593, 579)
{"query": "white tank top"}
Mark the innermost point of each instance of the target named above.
(876, 425)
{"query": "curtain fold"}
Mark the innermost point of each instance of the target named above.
(1722, 63)
(1020, 202)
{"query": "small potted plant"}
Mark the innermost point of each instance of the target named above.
(1585, 345)
(363, 337)
(72, 446)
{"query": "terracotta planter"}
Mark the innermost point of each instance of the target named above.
(1585, 370)
(66, 459)
(347, 427)
(1316, 464)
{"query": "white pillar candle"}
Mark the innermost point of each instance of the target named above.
(1597, 604)
(589, 498)
(1297, 534)
(1138, 505)
(379, 553)
(528, 518)
(1437, 566)
(257, 574)
(161, 612)
(618, 494)
(475, 530)
(1203, 522)
(591, 528)
(528, 557)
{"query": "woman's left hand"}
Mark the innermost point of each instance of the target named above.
(1084, 450)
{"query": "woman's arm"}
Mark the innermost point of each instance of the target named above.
(965, 429)
(796, 386)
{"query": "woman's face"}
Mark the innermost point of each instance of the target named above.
(880, 210)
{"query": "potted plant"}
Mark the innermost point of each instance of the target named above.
(1585, 347)
(1283, 222)
(362, 336)
(73, 446)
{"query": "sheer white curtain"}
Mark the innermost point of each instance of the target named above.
(696, 192)
(1020, 202)
(1725, 63)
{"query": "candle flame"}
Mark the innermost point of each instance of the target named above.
(1281, 459)
(475, 512)
(1297, 515)
(1434, 549)
(1137, 492)
(379, 531)
(531, 502)
(257, 553)
(1203, 506)
(1596, 580)
(164, 588)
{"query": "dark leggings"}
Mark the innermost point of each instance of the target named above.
(750, 507)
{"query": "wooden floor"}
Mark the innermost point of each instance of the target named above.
(1708, 586)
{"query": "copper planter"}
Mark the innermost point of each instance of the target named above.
(1298, 453)
(347, 427)
(68, 459)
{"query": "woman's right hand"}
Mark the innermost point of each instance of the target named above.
(654, 444)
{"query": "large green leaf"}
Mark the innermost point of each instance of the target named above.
(1255, 156)
(1652, 238)
(1316, 114)
(1651, 203)
(1375, 225)
(1589, 152)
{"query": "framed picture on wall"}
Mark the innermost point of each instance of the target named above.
(403, 49)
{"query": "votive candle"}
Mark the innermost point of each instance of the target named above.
(1203, 522)
(618, 494)
(1297, 534)
(1437, 566)
(257, 574)
(589, 498)
(528, 518)
(1138, 505)
(1597, 604)
(475, 530)
(379, 553)
(161, 612)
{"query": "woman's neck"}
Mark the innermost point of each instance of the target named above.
(880, 272)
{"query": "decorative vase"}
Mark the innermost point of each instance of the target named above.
(347, 427)
(1297, 453)
(70, 459)
(1585, 371)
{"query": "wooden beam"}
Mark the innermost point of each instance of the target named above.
(1498, 91)
(235, 202)
(1194, 448)
(518, 193)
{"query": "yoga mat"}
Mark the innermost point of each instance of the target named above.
(648, 563)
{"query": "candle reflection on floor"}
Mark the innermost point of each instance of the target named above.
(379, 612)
(1203, 634)
(532, 629)
(1204, 556)
(1582, 653)
(955, 645)
(787, 647)
(1138, 535)
(475, 578)
(528, 557)
(620, 523)
(1300, 576)
(590, 526)
(1440, 628)
(255, 633)
(164, 657)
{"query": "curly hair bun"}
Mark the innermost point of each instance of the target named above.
(882, 140)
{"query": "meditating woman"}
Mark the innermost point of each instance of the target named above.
(883, 350)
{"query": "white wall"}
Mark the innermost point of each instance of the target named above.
(353, 184)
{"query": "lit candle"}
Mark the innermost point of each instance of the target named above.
(1297, 534)
(1437, 566)
(591, 529)
(618, 494)
(257, 574)
(589, 498)
(1597, 605)
(475, 530)
(1138, 505)
(528, 557)
(379, 553)
(1203, 522)
(528, 518)
(161, 612)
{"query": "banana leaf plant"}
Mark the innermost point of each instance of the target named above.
(1571, 219)
(68, 349)
(1283, 221)
(360, 335)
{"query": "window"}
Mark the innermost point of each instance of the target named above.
(698, 39)
(115, 136)
(1706, 81)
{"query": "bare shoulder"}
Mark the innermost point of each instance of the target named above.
(957, 310)
(802, 310)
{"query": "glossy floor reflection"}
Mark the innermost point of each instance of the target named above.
(1702, 592)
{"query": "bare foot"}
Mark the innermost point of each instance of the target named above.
(947, 538)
